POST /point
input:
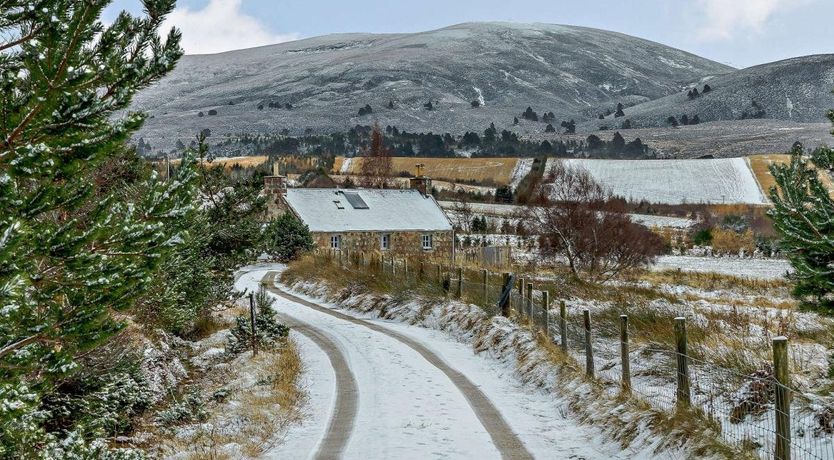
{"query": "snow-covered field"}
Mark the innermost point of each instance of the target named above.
(511, 212)
(715, 181)
(746, 268)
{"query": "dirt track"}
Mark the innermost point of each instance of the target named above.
(338, 433)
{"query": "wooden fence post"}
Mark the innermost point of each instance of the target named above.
(563, 325)
(783, 399)
(546, 314)
(485, 277)
(626, 363)
(504, 303)
(683, 394)
(589, 351)
(529, 305)
(460, 283)
(405, 267)
(382, 263)
(254, 330)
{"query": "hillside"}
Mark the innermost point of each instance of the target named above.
(797, 89)
(571, 71)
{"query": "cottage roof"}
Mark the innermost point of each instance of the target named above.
(342, 210)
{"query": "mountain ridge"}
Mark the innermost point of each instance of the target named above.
(568, 70)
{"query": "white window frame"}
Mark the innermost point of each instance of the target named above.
(427, 241)
(385, 241)
(336, 242)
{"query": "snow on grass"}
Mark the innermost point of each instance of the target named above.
(512, 212)
(346, 165)
(522, 168)
(715, 181)
(745, 268)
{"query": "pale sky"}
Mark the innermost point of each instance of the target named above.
(740, 33)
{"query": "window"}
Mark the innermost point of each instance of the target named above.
(427, 241)
(335, 241)
(385, 242)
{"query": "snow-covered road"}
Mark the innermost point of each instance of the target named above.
(413, 398)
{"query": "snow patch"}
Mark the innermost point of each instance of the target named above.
(480, 96)
(522, 168)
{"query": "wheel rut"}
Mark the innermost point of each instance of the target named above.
(502, 435)
(341, 423)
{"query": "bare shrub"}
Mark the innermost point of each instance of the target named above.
(576, 219)
(376, 162)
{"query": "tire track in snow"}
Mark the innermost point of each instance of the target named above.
(340, 426)
(507, 442)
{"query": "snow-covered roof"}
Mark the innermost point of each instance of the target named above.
(338, 210)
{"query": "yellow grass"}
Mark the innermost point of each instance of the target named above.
(759, 164)
(245, 162)
(497, 170)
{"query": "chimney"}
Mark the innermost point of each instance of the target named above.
(420, 182)
(275, 188)
(275, 185)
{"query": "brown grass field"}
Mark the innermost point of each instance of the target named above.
(759, 164)
(245, 162)
(497, 170)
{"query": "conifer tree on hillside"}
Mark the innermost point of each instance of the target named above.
(802, 213)
(68, 259)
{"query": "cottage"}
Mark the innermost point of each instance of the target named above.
(401, 221)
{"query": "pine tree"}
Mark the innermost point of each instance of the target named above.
(286, 238)
(68, 258)
(802, 213)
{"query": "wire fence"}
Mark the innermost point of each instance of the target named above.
(759, 414)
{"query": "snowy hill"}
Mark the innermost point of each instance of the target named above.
(570, 71)
(797, 89)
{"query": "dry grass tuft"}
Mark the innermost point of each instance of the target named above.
(778, 288)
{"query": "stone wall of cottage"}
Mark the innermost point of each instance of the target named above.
(401, 243)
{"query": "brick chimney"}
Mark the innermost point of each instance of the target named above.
(420, 182)
(275, 188)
